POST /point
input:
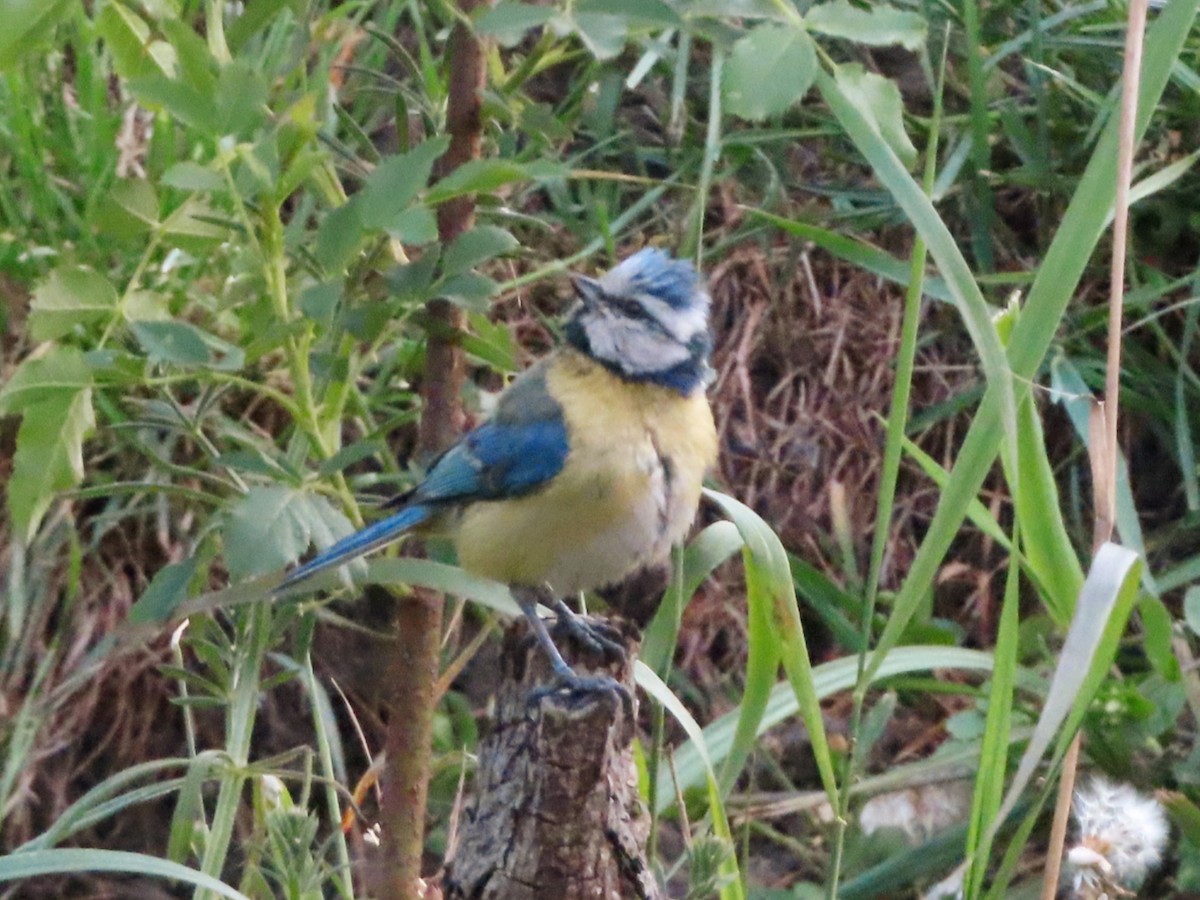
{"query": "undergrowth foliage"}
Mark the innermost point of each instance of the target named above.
(219, 238)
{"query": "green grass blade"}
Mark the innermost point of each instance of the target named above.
(827, 679)
(69, 861)
(771, 597)
(993, 754)
(1037, 325)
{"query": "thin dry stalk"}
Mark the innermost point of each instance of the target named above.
(1105, 501)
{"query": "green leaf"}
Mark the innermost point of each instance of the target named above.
(63, 370)
(25, 23)
(175, 342)
(603, 34)
(135, 53)
(129, 209)
(1191, 608)
(481, 176)
(193, 107)
(241, 99)
(415, 225)
(770, 68)
(880, 25)
(167, 590)
(72, 861)
(338, 236)
(1101, 611)
(396, 181)
(54, 395)
(647, 13)
(878, 101)
(193, 221)
(469, 290)
(475, 246)
(190, 176)
(271, 526)
(508, 22)
(67, 298)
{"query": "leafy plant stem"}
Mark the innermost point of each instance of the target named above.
(343, 879)
(253, 627)
(712, 150)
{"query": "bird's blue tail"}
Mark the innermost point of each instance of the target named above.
(359, 543)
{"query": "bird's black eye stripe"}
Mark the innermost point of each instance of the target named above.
(631, 309)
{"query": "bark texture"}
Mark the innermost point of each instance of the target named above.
(555, 811)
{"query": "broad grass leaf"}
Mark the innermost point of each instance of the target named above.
(769, 69)
(71, 861)
(69, 297)
(828, 679)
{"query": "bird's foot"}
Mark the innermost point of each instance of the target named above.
(575, 687)
(597, 636)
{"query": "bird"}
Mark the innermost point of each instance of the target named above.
(592, 463)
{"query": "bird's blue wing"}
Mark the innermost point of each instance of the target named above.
(496, 461)
(523, 447)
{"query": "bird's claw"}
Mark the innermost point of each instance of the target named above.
(591, 634)
(577, 686)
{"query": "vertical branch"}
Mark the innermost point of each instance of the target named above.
(413, 669)
(1104, 456)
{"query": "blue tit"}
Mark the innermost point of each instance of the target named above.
(591, 466)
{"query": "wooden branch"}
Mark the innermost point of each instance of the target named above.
(556, 810)
(413, 667)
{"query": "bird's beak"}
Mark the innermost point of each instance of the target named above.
(587, 289)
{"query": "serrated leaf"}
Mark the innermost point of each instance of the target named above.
(508, 22)
(880, 25)
(770, 68)
(40, 379)
(878, 100)
(396, 181)
(70, 297)
(271, 526)
(473, 247)
(49, 456)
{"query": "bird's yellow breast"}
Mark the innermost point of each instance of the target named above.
(627, 492)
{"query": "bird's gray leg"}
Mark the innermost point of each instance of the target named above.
(585, 632)
(565, 678)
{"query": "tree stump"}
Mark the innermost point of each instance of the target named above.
(555, 813)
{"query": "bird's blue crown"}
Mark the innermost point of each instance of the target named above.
(646, 320)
